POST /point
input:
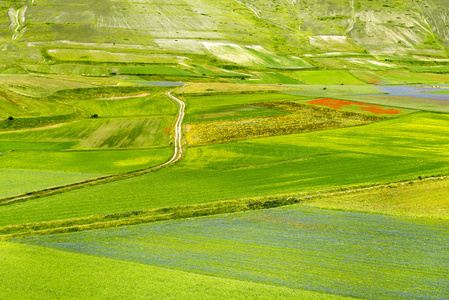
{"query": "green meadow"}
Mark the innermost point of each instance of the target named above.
(139, 105)
(415, 199)
(97, 162)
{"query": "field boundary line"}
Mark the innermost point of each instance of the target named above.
(177, 155)
(184, 211)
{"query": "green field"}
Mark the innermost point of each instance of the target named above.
(410, 146)
(152, 70)
(343, 253)
(215, 107)
(270, 78)
(127, 106)
(18, 181)
(70, 69)
(419, 199)
(132, 132)
(327, 77)
(332, 91)
(140, 132)
(405, 102)
(67, 275)
(98, 162)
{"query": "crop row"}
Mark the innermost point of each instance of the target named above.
(302, 118)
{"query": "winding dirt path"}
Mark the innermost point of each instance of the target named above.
(178, 131)
(177, 155)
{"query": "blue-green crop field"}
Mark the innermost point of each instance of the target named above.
(335, 252)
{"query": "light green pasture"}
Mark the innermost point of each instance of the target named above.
(103, 56)
(39, 86)
(332, 91)
(414, 77)
(405, 103)
(270, 78)
(421, 199)
(33, 108)
(17, 181)
(215, 106)
(70, 69)
(44, 273)
(324, 77)
(141, 132)
(145, 105)
(98, 162)
(152, 70)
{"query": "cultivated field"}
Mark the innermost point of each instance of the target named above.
(276, 243)
(236, 150)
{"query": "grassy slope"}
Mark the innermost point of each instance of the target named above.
(327, 77)
(133, 106)
(43, 273)
(97, 162)
(410, 146)
(16, 181)
(418, 200)
(119, 31)
(360, 255)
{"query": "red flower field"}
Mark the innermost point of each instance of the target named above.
(339, 104)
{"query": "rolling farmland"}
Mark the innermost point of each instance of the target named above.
(235, 150)
(352, 169)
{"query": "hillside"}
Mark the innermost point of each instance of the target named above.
(248, 33)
